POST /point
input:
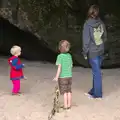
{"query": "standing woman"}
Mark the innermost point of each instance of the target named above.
(94, 36)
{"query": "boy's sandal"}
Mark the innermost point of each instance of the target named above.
(65, 108)
(69, 108)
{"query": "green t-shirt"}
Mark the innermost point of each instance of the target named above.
(65, 60)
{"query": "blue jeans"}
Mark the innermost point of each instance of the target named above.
(96, 90)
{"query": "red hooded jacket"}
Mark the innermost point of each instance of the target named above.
(16, 72)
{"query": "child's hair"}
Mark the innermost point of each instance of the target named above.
(15, 49)
(64, 46)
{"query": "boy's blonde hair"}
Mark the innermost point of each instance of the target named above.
(64, 46)
(15, 49)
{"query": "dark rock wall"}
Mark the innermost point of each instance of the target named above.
(32, 47)
(53, 20)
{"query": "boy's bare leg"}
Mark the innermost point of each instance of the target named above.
(69, 99)
(65, 100)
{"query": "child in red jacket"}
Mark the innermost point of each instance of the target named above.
(16, 72)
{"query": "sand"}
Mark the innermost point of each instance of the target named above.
(36, 101)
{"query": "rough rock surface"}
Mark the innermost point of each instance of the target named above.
(53, 20)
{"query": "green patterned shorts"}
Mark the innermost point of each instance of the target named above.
(65, 85)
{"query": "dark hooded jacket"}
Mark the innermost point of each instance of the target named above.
(89, 46)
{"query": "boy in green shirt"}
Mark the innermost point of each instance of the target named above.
(64, 72)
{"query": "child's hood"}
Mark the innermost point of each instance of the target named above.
(11, 58)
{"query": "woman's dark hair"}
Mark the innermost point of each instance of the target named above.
(93, 12)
